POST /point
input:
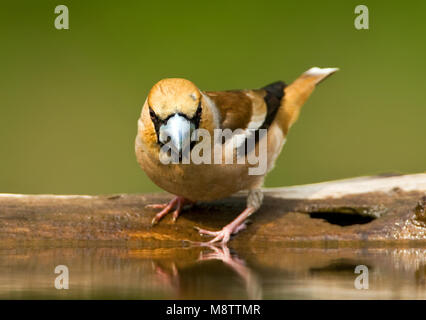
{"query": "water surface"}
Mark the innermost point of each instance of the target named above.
(213, 272)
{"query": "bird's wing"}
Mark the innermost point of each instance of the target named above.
(257, 109)
(252, 110)
(248, 109)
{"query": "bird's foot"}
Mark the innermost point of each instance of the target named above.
(234, 227)
(176, 202)
(223, 235)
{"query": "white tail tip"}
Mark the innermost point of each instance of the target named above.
(319, 74)
(315, 71)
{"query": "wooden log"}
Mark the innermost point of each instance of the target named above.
(360, 211)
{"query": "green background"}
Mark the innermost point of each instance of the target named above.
(70, 99)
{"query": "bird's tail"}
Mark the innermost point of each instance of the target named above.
(298, 92)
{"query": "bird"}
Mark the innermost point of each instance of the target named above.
(177, 114)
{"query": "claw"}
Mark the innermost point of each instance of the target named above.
(177, 211)
(233, 228)
(175, 215)
(223, 235)
(177, 202)
(206, 232)
(154, 221)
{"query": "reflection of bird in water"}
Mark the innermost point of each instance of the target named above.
(166, 278)
(170, 279)
(252, 282)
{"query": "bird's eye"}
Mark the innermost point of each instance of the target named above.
(155, 120)
(153, 115)
(197, 116)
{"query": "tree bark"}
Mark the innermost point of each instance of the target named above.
(359, 211)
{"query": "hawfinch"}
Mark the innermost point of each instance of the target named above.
(207, 145)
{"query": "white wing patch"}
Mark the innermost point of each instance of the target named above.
(212, 106)
(258, 113)
(240, 136)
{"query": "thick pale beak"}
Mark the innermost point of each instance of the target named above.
(177, 134)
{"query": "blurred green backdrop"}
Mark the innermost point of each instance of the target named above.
(70, 99)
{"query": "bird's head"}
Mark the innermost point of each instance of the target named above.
(175, 108)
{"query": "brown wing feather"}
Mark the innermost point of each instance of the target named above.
(235, 108)
(254, 109)
(249, 109)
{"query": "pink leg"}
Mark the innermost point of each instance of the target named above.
(234, 227)
(177, 202)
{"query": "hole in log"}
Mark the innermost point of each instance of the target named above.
(342, 218)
